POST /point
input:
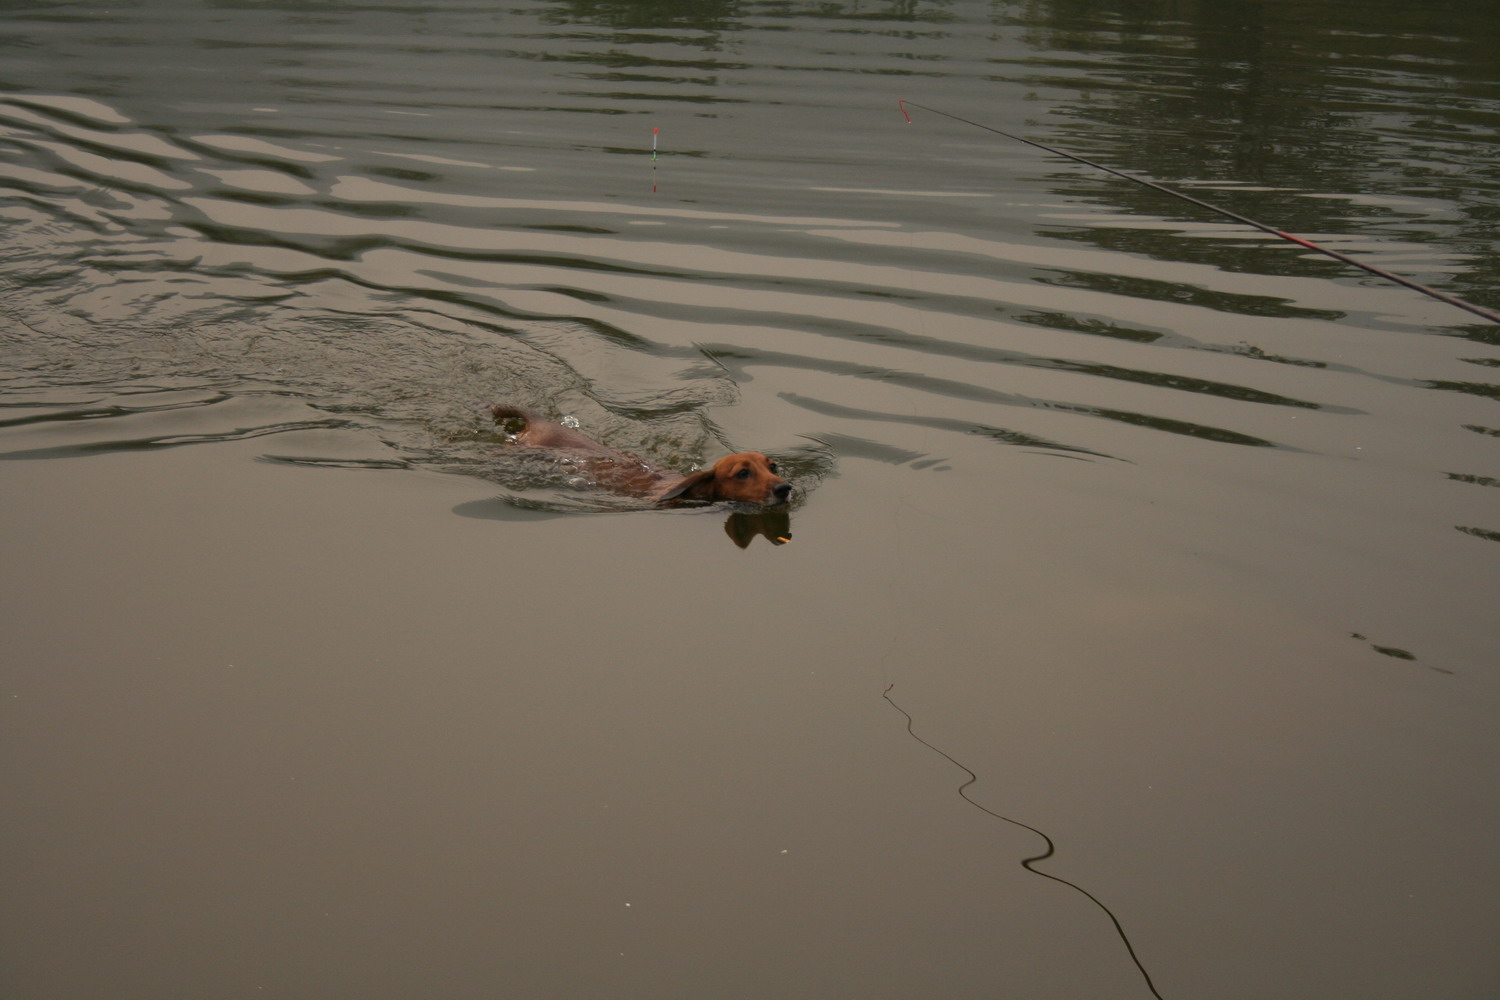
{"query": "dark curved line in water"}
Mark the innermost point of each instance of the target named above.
(42, 134)
(1027, 863)
(1264, 306)
(169, 441)
(105, 412)
(104, 182)
(359, 464)
(562, 260)
(1203, 432)
(348, 247)
(626, 95)
(724, 354)
(1486, 390)
(250, 158)
(1002, 435)
(65, 115)
(1002, 356)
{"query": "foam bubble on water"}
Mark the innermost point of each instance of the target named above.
(570, 422)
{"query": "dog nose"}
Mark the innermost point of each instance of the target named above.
(782, 490)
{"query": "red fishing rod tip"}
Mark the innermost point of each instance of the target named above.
(901, 103)
(655, 130)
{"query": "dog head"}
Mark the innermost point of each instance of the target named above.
(748, 477)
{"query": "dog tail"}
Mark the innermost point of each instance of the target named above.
(504, 411)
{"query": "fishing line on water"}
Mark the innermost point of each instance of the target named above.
(1026, 863)
(1452, 300)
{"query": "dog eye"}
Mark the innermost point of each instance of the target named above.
(773, 467)
(742, 474)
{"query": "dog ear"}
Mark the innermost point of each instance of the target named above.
(698, 486)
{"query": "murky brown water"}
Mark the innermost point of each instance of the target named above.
(1177, 539)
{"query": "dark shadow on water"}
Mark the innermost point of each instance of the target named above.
(498, 510)
(773, 525)
(742, 526)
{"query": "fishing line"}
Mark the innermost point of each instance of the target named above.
(1479, 311)
(1027, 863)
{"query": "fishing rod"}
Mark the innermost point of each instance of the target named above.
(1479, 311)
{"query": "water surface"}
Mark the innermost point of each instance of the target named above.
(1182, 540)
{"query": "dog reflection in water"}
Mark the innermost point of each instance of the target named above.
(746, 477)
(774, 525)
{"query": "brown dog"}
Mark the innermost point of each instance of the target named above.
(748, 477)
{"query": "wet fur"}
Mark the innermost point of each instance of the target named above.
(745, 477)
